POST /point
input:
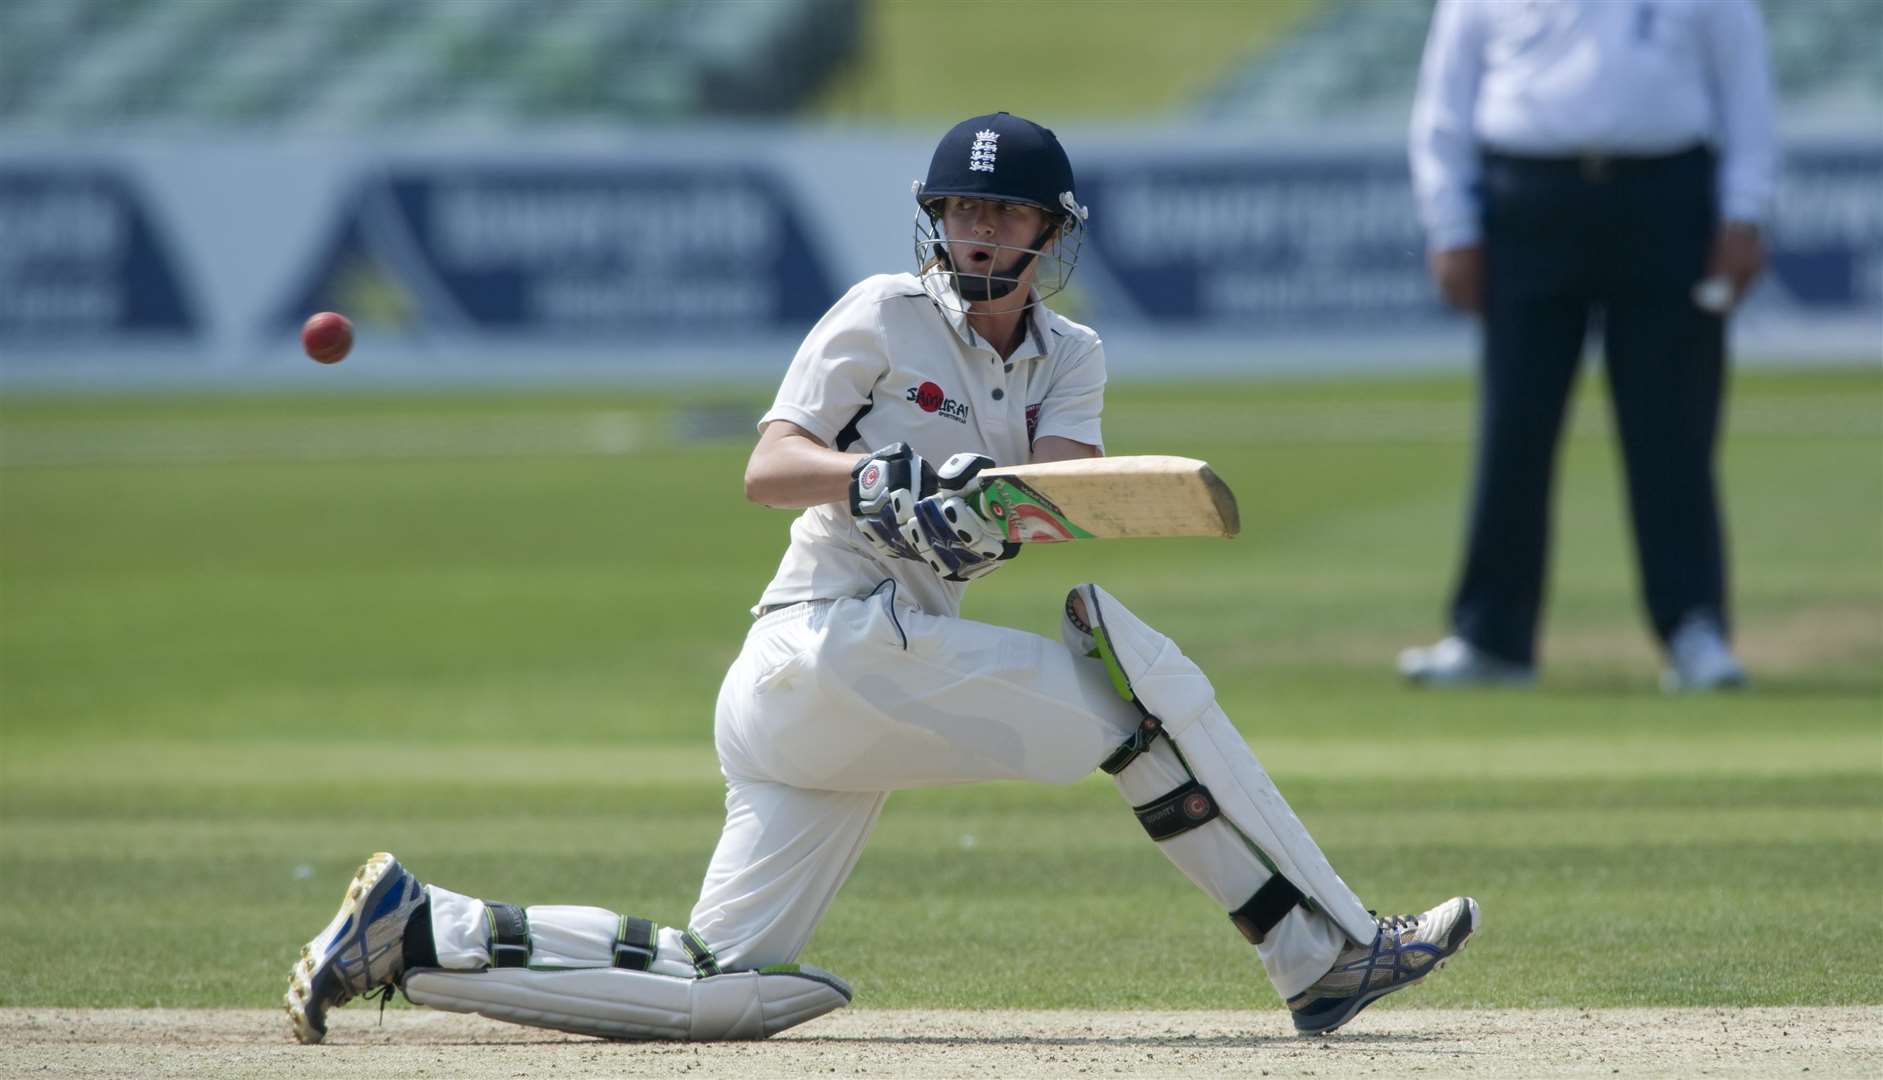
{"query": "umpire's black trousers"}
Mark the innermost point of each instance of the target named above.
(1563, 239)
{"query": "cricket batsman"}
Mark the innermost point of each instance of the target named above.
(859, 677)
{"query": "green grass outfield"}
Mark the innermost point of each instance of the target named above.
(246, 641)
(921, 65)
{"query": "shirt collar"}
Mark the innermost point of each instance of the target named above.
(941, 289)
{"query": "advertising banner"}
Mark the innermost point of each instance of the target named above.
(1270, 245)
(1827, 232)
(80, 258)
(568, 252)
(707, 252)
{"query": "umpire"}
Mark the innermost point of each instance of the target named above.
(1581, 156)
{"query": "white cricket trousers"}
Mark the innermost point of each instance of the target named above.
(831, 705)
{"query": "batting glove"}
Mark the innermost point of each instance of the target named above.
(948, 533)
(884, 488)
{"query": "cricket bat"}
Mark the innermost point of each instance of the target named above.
(1108, 498)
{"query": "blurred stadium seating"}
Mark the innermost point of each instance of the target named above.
(1359, 59)
(338, 64)
(492, 64)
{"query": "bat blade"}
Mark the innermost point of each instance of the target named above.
(1109, 499)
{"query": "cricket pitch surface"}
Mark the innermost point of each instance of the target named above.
(1488, 1043)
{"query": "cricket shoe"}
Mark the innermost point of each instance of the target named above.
(1699, 657)
(361, 949)
(1455, 662)
(1407, 949)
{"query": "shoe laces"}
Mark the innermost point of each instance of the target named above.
(1397, 922)
(384, 994)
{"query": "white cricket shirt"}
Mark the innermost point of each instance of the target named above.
(1561, 78)
(889, 363)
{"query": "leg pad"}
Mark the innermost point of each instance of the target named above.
(1174, 695)
(615, 1003)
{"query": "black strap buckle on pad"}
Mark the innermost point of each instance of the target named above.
(704, 962)
(1178, 812)
(509, 935)
(1128, 751)
(634, 943)
(1268, 907)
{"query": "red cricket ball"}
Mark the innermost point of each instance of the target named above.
(327, 337)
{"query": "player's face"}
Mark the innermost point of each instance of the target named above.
(979, 229)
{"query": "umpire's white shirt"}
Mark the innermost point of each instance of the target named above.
(893, 361)
(1554, 78)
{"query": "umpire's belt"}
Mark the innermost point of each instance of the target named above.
(1598, 166)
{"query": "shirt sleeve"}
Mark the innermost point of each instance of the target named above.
(832, 377)
(1741, 72)
(1443, 145)
(1074, 400)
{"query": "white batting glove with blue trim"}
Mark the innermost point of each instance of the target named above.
(948, 533)
(884, 488)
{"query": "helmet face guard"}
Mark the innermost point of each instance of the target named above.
(1001, 158)
(1056, 249)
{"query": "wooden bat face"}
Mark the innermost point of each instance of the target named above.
(1109, 498)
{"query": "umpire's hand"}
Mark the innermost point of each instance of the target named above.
(1738, 256)
(1460, 276)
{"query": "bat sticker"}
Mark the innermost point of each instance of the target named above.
(1027, 516)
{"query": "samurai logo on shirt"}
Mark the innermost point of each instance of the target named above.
(930, 397)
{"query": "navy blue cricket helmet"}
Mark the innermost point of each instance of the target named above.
(1001, 156)
(1009, 159)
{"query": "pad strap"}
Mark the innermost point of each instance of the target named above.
(509, 935)
(634, 943)
(700, 953)
(1128, 751)
(1267, 908)
(1178, 812)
